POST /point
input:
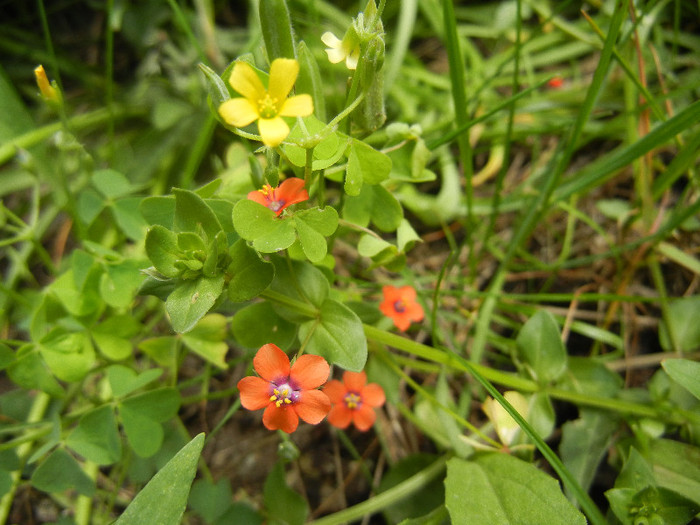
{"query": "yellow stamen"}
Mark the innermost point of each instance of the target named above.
(267, 106)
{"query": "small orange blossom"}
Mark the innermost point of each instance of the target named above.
(277, 199)
(286, 392)
(400, 305)
(353, 400)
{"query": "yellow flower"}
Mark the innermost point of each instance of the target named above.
(49, 92)
(347, 49)
(267, 106)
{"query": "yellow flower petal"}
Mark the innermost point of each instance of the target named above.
(297, 106)
(273, 131)
(238, 112)
(331, 40)
(352, 59)
(283, 74)
(335, 54)
(245, 80)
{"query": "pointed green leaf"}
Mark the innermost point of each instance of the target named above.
(282, 503)
(164, 498)
(193, 214)
(684, 372)
(541, 348)
(69, 356)
(162, 250)
(111, 183)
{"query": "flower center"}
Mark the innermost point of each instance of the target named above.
(283, 394)
(352, 400)
(275, 205)
(267, 106)
(400, 306)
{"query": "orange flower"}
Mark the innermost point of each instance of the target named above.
(277, 199)
(400, 304)
(353, 401)
(286, 392)
(555, 82)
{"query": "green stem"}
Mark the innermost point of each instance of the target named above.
(36, 136)
(83, 507)
(410, 487)
(36, 413)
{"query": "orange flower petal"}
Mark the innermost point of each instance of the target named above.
(414, 311)
(309, 371)
(364, 417)
(354, 381)
(391, 294)
(407, 293)
(292, 191)
(312, 406)
(340, 416)
(271, 363)
(373, 395)
(401, 322)
(284, 419)
(255, 392)
(258, 197)
(335, 390)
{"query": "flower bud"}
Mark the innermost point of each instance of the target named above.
(49, 91)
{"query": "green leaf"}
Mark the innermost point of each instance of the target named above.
(119, 283)
(375, 204)
(682, 317)
(96, 437)
(313, 226)
(251, 275)
(684, 372)
(336, 335)
(584, 443)
(162, 350)
(60, 471)
(677, 467)
(158, 405)
(301, 281)
(283, 505)
(78, 301)
(191, 300)
(111, 183)
(164, 498)
(366, 165)
(499, 488)
(541, 348)
(30, 371)
(218, 93)
(145, 436)
(258, 324)
(208, 339)
(159, 210)
(7, 356)
(69, 356)
(325, 153)
(162, 249)
(90, 204)
(210, 500)
(192, 214)
(124, 380)
(128, 217)
(269, 233)
(112, 336)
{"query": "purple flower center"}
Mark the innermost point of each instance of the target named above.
(283, 394)
(400, 306)
(352, 400)
(276, 205)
